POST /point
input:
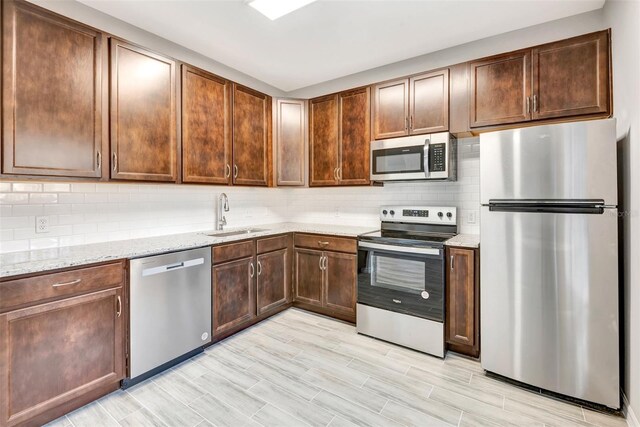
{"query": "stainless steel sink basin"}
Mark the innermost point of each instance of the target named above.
(236, 232)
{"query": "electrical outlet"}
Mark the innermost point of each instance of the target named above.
(471, 217)
(42, 224)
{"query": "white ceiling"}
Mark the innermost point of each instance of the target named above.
(330, 38)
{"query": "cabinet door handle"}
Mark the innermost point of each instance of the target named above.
(235, 171)
(227, 170)
(340, 174)
(411, 121)
(259, 268)
(115, 162)
(321, 243)
(252, 270)
(73, 282)
(451, 262)
(535, 103)
(528, 104)
(118, 306)
(406, 123)
(99, 159)
(320, 262)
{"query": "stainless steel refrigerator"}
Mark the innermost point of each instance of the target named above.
(549, 258)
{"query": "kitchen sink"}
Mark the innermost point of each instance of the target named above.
(236, 232)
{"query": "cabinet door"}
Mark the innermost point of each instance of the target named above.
(251, 136)
(391, 109)
(234, 300)
(571, 77)
(52, 353)
(273, 280)
(462, 299)
(340, 285)
(290, 138)
(429, 103)
(52, 102)
(500, 89)
(324, 144)
(355, 113)
(309, 276)
(206, 130)
(143, 114)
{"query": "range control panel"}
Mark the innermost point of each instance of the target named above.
(419, 214)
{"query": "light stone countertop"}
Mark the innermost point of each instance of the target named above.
(17, 263)
(464, 241)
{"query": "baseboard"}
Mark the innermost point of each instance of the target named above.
(632, 419)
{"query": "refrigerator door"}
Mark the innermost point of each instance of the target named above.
(549, 299)
(575, 161)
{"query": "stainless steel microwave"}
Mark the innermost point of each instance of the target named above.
(411, 158)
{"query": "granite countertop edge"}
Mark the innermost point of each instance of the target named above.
(41, 260)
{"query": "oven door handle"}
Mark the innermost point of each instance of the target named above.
(403, 249)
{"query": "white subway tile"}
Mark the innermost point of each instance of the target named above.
(57, 188)
(5, 187)
(43, 198)
(14, 198)
(71, 197)
(26, 187)
(14, 246)
(28, 210)
(43, 243)
(84, 187)
(59, 209)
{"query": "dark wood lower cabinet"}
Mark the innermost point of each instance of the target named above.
(58, 355)
(273, 282)
(233, 294)
(326, 281)
(463, 301)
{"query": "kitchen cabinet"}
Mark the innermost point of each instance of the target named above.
(500, 89)
(571, 77)
(564, 79)
(251, 114)
(144, 143)
(463, 300)
(339, 136)
(206, 127)
(273, 281)
(62, 341)
(233, 282)
(290, 142)
(412, 106)
(54, 88)
(325, 275)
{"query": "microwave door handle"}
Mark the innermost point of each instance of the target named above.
(427, 172)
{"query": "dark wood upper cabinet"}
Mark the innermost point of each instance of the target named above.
(234, 301)
(429, 103)
(290, 142)
(309, 276)
(251, 137)
(463, 300)
(273, 280)
(324, 141)
(500, 89)
(340, 286)
(52, 80)
(143, 114)
(571, 77)
(391, 109)
(355, 129)
(206, 127)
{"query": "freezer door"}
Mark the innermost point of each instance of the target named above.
(574, 161)
(549, 298)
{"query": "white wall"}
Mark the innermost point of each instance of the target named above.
(97, 212)
(623, 16)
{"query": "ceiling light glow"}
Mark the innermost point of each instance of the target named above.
(274, 9)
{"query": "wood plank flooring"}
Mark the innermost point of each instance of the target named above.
(300, 369)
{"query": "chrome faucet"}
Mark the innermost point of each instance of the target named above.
(223, 203)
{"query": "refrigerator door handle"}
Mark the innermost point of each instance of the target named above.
(562, 209)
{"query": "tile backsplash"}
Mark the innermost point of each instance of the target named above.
(82, 213)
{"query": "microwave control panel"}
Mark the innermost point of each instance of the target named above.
(438, 157)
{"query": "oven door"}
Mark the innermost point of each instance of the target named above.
(403, 279)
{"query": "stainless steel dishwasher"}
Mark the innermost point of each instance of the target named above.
(170, 310)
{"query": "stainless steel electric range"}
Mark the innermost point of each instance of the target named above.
(401, 278)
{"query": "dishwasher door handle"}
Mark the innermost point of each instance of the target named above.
(172, 267)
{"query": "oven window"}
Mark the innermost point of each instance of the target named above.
(398, 273)
(399, 160)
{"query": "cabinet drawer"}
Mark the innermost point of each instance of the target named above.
(31, 290)
(232, 251)
(330, 243)
(271, 244)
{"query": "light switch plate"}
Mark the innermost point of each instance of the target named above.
(42, 224)
(471, 217)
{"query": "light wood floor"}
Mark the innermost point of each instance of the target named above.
(298, 369)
